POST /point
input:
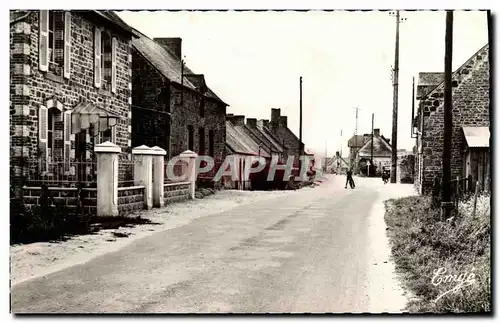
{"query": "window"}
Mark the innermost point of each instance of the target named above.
(201, 133)
(211, 143)
(106, 62)
(202, 107)
(105, 53)
(55, 42)
(191, 138)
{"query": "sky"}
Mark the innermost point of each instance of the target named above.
(253, 61)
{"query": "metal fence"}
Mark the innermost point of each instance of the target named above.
(61, 173)
(125, 172)
(177, 169)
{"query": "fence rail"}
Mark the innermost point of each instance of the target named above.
(460, 189)
(125, 172)
(61, 172)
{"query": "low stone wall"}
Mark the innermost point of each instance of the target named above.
(176, 192)
(130, 199)
(67, 196)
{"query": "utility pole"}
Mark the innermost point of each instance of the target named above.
(326, 156)
(301, 146)
(371, 159)
(340, 142)
(413, 109)
(395, 104)
(355, 140)
(446, 203)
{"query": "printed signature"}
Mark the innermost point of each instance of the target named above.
(462, 280)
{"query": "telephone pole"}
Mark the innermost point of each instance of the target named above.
(301, 146)
(355, 140)
(446, 203)
(395, 104)
(326, 156)
(371, 159)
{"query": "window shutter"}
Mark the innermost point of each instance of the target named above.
(113, 134)
(43, 41)
(67, 43)
(97, 57)
(114, 45)
(43, 128)
(67, 139)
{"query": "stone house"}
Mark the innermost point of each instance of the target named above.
(471, 108)
(267, 141)
(382, 152)
(240, 146)
(172, 107)
(278, 126)
(337, 164)
(70, 89)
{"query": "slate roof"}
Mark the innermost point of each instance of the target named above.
(268, 143)
(356, 141)
(477, 137)
(380, 148)
(430, 78)
(17, 15)
(239, 140)
(167, 63)
(271, 137)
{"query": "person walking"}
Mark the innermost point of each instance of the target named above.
(349, 179)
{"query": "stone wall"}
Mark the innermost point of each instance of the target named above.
(30, 88)
(130, 199)
(175, 192)
(152, 91)
(62, 196)
(470, 108)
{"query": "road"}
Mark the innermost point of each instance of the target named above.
(304, 253)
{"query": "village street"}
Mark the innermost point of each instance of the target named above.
(317, 249)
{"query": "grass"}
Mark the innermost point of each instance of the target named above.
(421, 244)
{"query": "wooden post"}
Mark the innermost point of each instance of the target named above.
(475, 199)
(446, 192)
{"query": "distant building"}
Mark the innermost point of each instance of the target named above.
(382, 153)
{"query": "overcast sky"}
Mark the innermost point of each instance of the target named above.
(253, 61)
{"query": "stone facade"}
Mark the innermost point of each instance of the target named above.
(471, 107)
(163, 116)
(65, 86)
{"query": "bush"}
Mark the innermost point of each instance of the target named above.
(421, 243)
(44, 223)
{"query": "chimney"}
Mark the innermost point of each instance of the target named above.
(252, 122)
(275, 115)
(238, 120)
(366, 137)
(337, 154)
(173, 44)
(376, 132)
(263, 123)
(284, 121)
(229, 116)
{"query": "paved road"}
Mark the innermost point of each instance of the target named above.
(306, 252)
